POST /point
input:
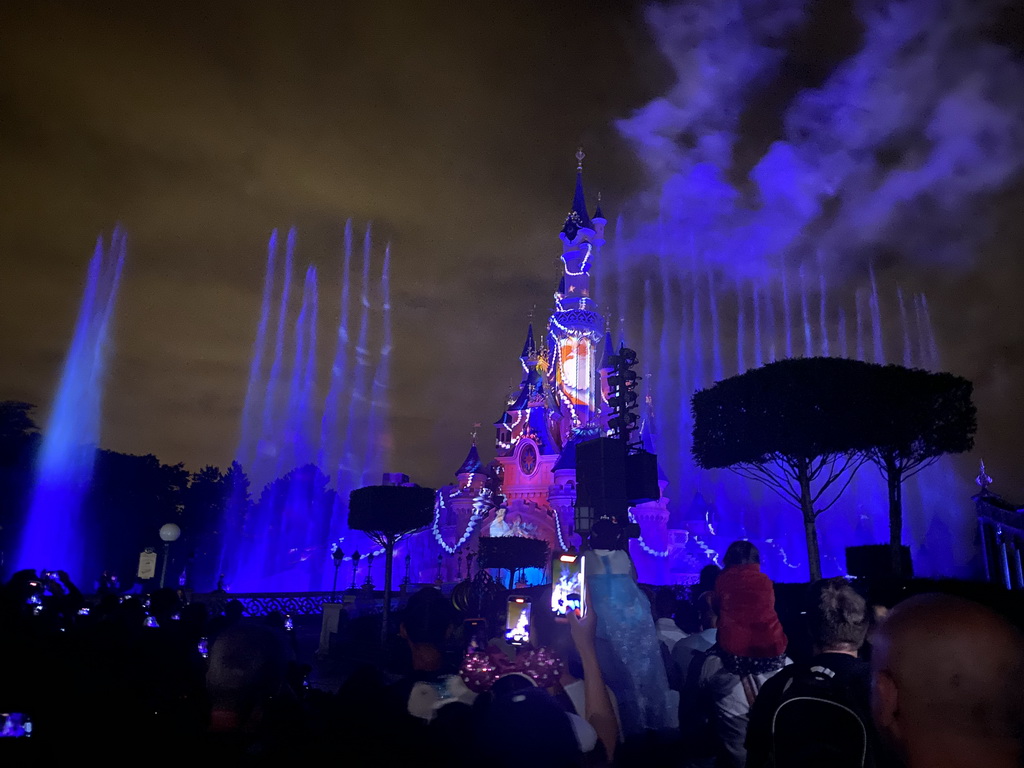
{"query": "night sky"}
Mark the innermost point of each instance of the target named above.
(452, 128)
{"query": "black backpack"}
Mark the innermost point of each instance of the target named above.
(818, 724)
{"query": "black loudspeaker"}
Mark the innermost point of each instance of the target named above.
(642, 477)
(601, 473)
(874, 561)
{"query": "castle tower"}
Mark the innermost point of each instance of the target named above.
(561, 402)
(575, 327)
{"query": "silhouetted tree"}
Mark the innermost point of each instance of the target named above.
(202, 520)
(19, 442)
(297, 508)
(918, 416)
(797, 425)
(17, 428)
(236, 515)
(129, 499)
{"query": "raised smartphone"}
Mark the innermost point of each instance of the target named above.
(567, 584)
(517, 620)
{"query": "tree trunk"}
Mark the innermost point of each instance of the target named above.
(810, 529)
(894, 480)
(389, 565)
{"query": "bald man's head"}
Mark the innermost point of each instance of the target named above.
(947, 666)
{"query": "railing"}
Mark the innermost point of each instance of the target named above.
(303, 603)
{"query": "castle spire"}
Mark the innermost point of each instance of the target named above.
(578, 217)
(529, 347)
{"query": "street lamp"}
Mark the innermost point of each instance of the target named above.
(355, 564)
(337, 555)
(168, 533)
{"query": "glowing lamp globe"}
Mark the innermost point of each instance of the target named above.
(169, 532)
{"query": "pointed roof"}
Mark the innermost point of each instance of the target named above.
(540, 429)
(597, 211)
(529, 347)
(578, 217)
(533, 384)
(472, 463)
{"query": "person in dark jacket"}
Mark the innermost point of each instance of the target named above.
(838, 621)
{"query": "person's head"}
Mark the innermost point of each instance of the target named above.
(948, 677)
(248, 666)
(708, 577)
(428, 618)
(163, 603)
(234, 610)
(837, 616)
(707, 613)
(526, 711)
(664, 603)
(741, 553)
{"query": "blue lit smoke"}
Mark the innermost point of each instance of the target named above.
(772, 225)
(309, 449)
(55, 536)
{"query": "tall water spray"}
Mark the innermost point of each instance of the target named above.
(55, 536)
(750, 328)
(380, 437)
(785, 222)
(309, 445)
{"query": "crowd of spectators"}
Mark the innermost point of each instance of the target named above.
(663, 677)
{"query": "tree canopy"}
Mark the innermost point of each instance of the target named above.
(796, 425)
(803, 426)
(799, 408)
(917, 417)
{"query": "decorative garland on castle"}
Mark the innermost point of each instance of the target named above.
(644, 545)
(483, 503)
(705, 548)
(558, 529)
(782, 552)
(584, 265)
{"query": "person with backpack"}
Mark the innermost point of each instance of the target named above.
(722, 683)
(818, 712)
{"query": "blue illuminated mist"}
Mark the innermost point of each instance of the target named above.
(793, 212)
(309, 439)
(55, 536)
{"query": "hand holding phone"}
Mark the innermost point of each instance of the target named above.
(583, 628)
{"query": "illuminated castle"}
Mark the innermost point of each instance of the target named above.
(562, 400)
